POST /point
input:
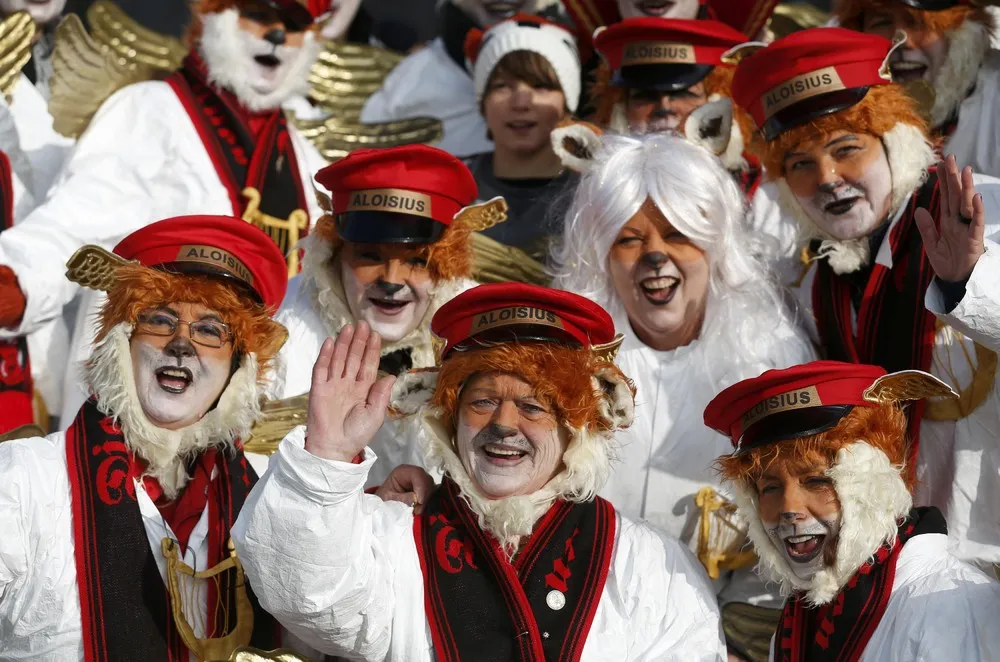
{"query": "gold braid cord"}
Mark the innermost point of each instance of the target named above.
(89, 68)
(285, 232)
(721, 537)
(345, 75)
(907, 385)
(278, 417)
(93, 267)
(335, 137)
(16, 33)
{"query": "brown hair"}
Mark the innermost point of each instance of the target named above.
(882, 427)
(882, 108)
(137, 288)
(528, 67)
(850, 14)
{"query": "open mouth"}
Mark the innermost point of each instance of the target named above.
(802, 549)
(655, 7)
(903, 72)
(504, 454)
(174, 380)
(388, 306)
(270, 60)
(521, 126)
(660, 290)
(842, 206)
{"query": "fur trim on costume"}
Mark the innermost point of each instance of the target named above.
(320, 269)
(111, 379)
(910, 155)
(584, 141)
(224, 47)
(412, 390)
(872, 498)
(967, 49)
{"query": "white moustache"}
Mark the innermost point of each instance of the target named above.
(823, 198)
(809, 527)
(162, 360)
(404, 295)
(488, 436)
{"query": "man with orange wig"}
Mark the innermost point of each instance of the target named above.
(394, 247)
(819, 471)
(513, 557)
(102, 522)
(903, 275)
(947, 63)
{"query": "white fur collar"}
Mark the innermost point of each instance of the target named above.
(110, 376)
(968, 46)
(909, 155)
(872, 497)
(321, 271)
(224, 52)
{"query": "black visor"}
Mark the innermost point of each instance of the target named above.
(516, 333)
(661, 77)
(204, 269)
(384, 227)
(930, 5)
(809, 109)
(792, 424)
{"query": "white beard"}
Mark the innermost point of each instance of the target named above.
(110, 377)
(229, 54)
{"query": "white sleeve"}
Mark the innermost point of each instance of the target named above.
(322, 555)
(15, 499)
(106, 190)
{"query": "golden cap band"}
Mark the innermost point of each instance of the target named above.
(394, 200)
(515, 315)
(801, 87)
(655, 52)
(802, 398)
(218, 258)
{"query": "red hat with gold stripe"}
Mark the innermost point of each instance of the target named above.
(808, 74)
(664, 54)
(221, 246)
(515, 312)
(406, 194)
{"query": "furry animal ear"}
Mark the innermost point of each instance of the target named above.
(576, 143)
(617, 396)
(413, 389)
(712, 126)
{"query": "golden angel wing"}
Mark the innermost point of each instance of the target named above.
(93, 267)
(247, 654)
(345, 75)
(494, 262)
(336, 138)
(907, 385)
(277, 419)
(789, 17)
(16, 33)
(87, 69)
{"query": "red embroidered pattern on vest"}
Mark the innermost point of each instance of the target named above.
(452, 549)
(113, 475)
(560, 567)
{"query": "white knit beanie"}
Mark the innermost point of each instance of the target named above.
(554, 43)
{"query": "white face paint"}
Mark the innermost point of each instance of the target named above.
(341, 16)
(42, 11)
(487, 12)
(392, 310)
(176, 391)
(261, 74)
(658, 8)
(807, 544)
(852, 207)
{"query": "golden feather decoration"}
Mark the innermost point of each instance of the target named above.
(335, 138)
(16, 33)
(608, 351)
(94, 268)
(278, 418)
(735, 54)
(483, 215)
(907, 385)
(89, 68)
(345, 75)
(248, 654)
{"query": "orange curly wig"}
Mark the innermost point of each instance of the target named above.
(882, 427)
(137, 288)
(553, 370)
(448, 258)
(604, 97)
(882, 108)
(850, 13)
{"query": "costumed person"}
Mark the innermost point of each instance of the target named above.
(196, 142)
(819, 470)
(947, 64)
(395, 247)
(526, 73)
(101, 521)
(661, 8)
(655, 235)
(901, 274)
(513, 557)
(435, 81)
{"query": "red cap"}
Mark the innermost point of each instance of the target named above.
(664, 53)
(787, 404)
(218, 245)
(406, 194)
(516, 312)
(807, 74)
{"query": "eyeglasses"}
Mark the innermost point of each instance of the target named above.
(207, 333)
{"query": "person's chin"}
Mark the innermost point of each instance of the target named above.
(851, 228)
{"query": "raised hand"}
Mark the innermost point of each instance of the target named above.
(954, 247)
(347, 403)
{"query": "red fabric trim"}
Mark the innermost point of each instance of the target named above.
(445, 649)
(583, 618)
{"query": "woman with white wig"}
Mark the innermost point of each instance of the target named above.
(656, 235)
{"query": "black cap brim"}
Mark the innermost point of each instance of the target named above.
(792, 424)
(516, 333)
(661, 77)
(810, 109)
(202, 269)
(382, 227)
(930, 5)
